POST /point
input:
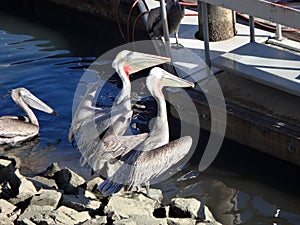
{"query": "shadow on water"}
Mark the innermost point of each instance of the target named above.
(48, 54)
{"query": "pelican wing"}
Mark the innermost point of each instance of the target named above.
(86, 111)
(113, 145)
(174, 16)
(92, 143)
(140, 166)
(12, 126)
(114, 148)
(153, 19)
(96, 120)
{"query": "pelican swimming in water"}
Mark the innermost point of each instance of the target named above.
(175, 13)
(92, 126)
(155, 154)
(15, 129)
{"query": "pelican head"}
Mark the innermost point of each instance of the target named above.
(20, 94)
(162, 78)
(132, 62)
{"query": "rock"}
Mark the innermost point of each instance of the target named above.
(45, 199)
(19, 184)
(4, 163)
(191, 208)
(89, 195)
(141, 219)
(26, 187)
(4, 220)
(99, 220)
(80, 203)
(181, 221)
(66, 200)
(5, 191)
(161, 212)
(6, 207)
(27, 222)
(38, 216)
(51, 170)
(123, 207)
(7, 174)
(14, 159)
(208, 217)
(155, 194)
(74, 216)
(128, 221)
(185, 208)
(93, 184)
(7, 215)
(69, 181)
(62, 215)
(43, 183)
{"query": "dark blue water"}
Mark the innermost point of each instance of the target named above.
(49, 58)
(42, 58)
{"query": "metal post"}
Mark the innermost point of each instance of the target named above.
(205, 32)
(252, 26)
(165, 27)
(278, 32)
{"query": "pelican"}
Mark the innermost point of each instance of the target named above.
(155, 154)
(15, 129)
(175, 13)
(90, 123)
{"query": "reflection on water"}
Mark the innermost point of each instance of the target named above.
(240, 187)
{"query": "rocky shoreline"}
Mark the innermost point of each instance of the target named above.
(60, 196)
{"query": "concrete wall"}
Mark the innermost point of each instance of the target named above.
(106, 9)
(101, 8)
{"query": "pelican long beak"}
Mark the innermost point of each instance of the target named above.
(36, 103)
(170, 80)
(136, 61)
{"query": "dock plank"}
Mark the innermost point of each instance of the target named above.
(267, 65)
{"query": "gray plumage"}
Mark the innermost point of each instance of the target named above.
(14, 129)
(175, 13)
(155, 154)
(97, 129)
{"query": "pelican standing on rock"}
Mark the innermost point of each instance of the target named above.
(155, 154)
(175, 13)
(90, 124)
(15, 129)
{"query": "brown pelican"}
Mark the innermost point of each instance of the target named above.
(175, 13)
(14, 129)
(155, 154)
(91, 123)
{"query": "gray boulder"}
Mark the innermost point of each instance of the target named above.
(43, 183)
(63, 215)
(98, 220)
(45, 199)
(186, 208)
(191, 208)
(80, 202)
(7, 214)
(69, 181)
(141, 219)
(120, 206)
(93, 184)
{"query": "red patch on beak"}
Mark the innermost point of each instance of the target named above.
(128, 70)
